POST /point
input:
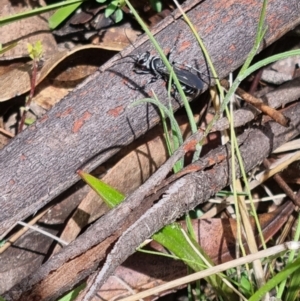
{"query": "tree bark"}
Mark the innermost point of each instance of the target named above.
(82, 257)
(95, 120)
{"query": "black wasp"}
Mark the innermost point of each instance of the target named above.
(146, 63)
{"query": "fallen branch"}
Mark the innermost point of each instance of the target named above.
(82, 256)
(93, 122)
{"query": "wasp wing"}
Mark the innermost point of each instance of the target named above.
(189, 79)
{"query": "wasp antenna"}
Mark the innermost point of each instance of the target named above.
(129, 39)
(133, 57)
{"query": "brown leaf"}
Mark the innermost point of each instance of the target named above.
(116, 38)
(28, 30)
(216, 236)
(135, 166)
(17, 81)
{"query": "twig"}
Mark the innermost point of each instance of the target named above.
(257, 103)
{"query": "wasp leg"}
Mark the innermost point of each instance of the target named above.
(139, 71)
(152, 80)
(174, 46)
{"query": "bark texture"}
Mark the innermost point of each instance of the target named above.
(95, 120)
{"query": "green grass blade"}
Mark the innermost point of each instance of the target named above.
(169, 67)
(174, 125)
(8, 47)
(292, 290)
(171, 147)
(73, 294)
(110, 196)
(36, 11)
(172, 238)
(61, 14)
(291, 293)
(281, 276)
(269, 60)
(166, 111)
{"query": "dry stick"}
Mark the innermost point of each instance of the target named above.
(291, 220)
(182, 196)
(257, 103)
(250, 237)
(291, 245)
(7, 133)
(283, 185)
(108, 128)
(284, 94)
(215, 156)
(114, 217)
(18, 234)
(255, 81)
(213, 180)
(239, 120)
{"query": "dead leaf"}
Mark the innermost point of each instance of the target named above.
(144, 158)
(49, 93)
(216, 236)
(17, 81)
(116, 38)
(291, 174)
(28, 30)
